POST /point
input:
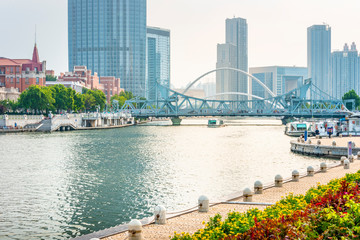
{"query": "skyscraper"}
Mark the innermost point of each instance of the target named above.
(109, 37)
(237, 43)
(226, 81)
(319, 56)
(345, 71)
(279, 79)
(157, 62)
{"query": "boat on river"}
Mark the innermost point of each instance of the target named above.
(215, 123)
(323, 128)
(297, 128)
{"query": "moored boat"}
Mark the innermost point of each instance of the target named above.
(298, 128)
(215, 123)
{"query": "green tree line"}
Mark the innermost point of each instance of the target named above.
(58, 98)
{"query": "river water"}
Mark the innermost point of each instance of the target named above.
(66, 184)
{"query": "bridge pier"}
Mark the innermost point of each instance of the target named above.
(176, 121)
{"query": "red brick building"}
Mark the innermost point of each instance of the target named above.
(21, 73)
(81, 75)
(109, 85)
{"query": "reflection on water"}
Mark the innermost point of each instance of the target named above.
(61, 185)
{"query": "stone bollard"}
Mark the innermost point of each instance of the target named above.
(135, 230)
(318, 142)
(317, 136)
(247, 195)
(353, 145)
(323, 167)
(309, 141)
(298, 140)
(350, 135)
(342, 159)
(346, 164)
(278, 180)
(203, 204)
(295, 176)
(310, 171)
(334, 144)
(302, 140)
(355, 157)
(358, 154)
(258, 187)
(160, 215)
(340, 135)
(351, 158)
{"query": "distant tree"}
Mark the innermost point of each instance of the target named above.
(79, 103)
(100, 98)
(3, 108)
(352, 95)
(59, 93)
(120, 99)
(127, 95)
(89, 101)
(36, 98)
(50, 78)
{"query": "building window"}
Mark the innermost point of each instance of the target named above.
(27, 70)
(17, 69)
(37, 80)
(11, 69)
(36, 69)
(27, 80)
(11, 80)
(17, 80)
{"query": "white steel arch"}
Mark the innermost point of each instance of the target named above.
(235, 93)
(233, 69)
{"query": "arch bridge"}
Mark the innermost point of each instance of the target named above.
(292, 104)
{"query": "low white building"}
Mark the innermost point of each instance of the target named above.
(77, 86)
(9, 93)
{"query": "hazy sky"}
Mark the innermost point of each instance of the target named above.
(277, 30)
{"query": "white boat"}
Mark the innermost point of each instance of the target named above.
(215, 123)
(323, 128)
(350, 125)
(297, 128)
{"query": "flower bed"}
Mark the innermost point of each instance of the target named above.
(329, 211)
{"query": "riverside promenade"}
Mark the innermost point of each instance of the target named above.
(191, 221)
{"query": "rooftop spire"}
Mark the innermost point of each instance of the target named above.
(35, 57)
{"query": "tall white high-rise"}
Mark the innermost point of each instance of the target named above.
(233, 54)
(319, 56)
(345, 71)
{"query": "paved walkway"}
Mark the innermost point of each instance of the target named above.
(191, 222)
(341, 142)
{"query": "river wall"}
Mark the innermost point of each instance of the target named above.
(313, 148)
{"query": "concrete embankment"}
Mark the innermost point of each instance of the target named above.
(191, 220)
(328, 147)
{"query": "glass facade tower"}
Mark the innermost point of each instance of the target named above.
(158, 62)
(278, 79)
(319, 56)
(345, 71)
(109, 37)
(234, 54)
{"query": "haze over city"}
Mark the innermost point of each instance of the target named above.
(277, 30)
